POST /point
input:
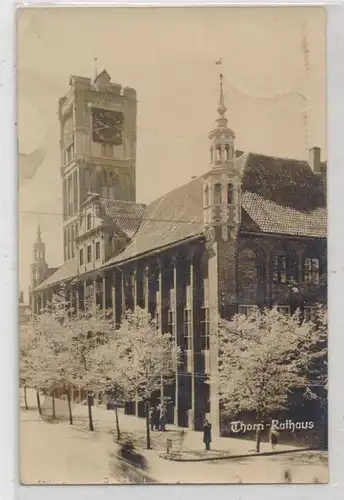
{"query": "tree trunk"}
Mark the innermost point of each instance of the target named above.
(147, 426)
(25, 398)
(53, 400)
(117, 423)
(89, 401)
(258, 431)
(39, 403)
(69, 405)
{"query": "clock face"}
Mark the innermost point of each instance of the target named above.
(107, 126)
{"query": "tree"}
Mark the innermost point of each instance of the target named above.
(87, 331)
(144, 356)
(27, 342)
(262, 358)
(52, 360)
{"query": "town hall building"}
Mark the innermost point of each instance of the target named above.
(250, 231)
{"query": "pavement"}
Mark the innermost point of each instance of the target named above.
(59, 453)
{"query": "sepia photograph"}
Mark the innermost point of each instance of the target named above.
(172, 234)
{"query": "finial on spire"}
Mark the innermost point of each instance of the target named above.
(39, 234)
(95, 67)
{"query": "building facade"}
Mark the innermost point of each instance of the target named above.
(250, 231)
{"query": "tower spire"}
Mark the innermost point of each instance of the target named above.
(221, 109)
(95, 67)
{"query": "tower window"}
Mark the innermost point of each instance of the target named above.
(206, 196)
(69, 154)
(89, 254)
(97, 250)
(89, 221)
(227, 152)
(217, 194)
(230, 194)
(81, 257)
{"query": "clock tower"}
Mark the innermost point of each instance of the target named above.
(98, 146)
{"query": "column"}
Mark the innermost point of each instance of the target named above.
(94, 297)
(160, 310)
(114, 298)
(192, 326)
(145, 281)
(77, 307)
(103, 305)
(213, 297)
(177, 275)
(135, 276)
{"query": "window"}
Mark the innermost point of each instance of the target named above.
(171, 322)
(81, 257)
(187, 329)
(204, 328)
(107, 150)
(311, 271)
(230, 194)
(73, 241)
(279, 265)
(89, 222)
(97, 250)
(206, 196)
(89, 254)
(217, 194)
(69, 154)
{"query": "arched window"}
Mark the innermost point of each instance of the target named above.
(230, 194)
(217, 194)
(206, 196)
(311, 270)
(227, 152)
(218, 152)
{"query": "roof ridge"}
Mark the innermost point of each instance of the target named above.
(274, 157)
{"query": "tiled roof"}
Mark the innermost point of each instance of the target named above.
(276, 219)
(126, 215)
(287, 182)
(280, 195)
(174, 217)
(66, 271)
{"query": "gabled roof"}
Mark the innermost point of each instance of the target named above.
(67, 271)
(174, 217)
(126, 215)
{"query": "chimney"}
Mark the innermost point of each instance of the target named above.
(21, 298)
(314, 159)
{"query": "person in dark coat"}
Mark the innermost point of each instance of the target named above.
(153, 417)
(273, 435)
(207, 434)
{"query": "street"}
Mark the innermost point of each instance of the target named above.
(58, 453)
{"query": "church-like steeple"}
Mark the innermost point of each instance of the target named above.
(39, 266)
(221, 137)
(222, 184)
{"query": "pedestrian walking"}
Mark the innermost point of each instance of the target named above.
(273, 436)
(207, 434)
(152, 417)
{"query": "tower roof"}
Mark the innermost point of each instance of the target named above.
(221, 120)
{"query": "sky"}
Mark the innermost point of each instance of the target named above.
(274, 70)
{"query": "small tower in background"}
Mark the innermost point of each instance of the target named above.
(39, 266)
(222, 184)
